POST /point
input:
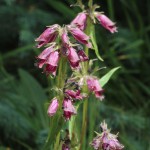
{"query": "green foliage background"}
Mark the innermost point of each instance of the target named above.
(24, 92)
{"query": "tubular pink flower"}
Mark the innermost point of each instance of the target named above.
(42, 57)
(82, 55)
(80, 21)
(74, 94)
(106, 22)
(79, 35)
(68, 108)
(73, 58)
(49, 35)
(52, 62)
(52, 109)
(65, 38)
(94, 85)
(106, 140)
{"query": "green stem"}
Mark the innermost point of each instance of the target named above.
(57, 120)
(85, 105)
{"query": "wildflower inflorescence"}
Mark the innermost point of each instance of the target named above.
(106, 140)
(68, 42)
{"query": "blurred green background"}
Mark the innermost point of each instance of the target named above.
(24, 89)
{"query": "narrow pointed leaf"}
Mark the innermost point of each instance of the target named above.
(106, 77)
(93, 39)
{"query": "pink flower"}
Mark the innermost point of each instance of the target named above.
(106, 22)
(73, 58)
(94, 85)
(68, 108)
(52, 62)
(79, 35)
(106, 140)
(82, 55)
(80, 21)
(49, 35)
(53, 107)
(74, 94)
(42, 57)
(65, 38)
(65, 147)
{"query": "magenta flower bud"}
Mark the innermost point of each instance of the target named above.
(80, 21)
(73, 58)
(52, 62)
(106, 22)
(65, 147)
(106, 140)
(82, 55)
(68, 108)
(49, 35)
(65, 38)
(80, 35)
(74, 94)
(94, 85)
(42, 57)
(52, 109)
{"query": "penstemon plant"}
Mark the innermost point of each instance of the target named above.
(70, 44)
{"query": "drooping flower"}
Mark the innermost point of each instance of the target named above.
(52, 109)
(42, 57)
(80, 21)
(82, 55)
(106, 22)
(49, 35)
(74, 94)
(65, 38)
(94, 86)
(52, 62)
(106, 140)
(73, 58)
(79, 35)
(68, 108)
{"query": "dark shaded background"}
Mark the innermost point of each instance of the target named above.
(23, 119)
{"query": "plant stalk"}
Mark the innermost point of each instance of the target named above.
(85, 105)
(57, 121)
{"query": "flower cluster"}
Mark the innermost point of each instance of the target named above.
(70, 97)
(58, 44)
(73, 95)
(106, 140)
(81, 20)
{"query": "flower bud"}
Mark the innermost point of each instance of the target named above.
(42, 57)
(80, 21)
(68, 108)
(82, 55)
(52, 62)
(74, 94)
(73, 58)
(106, 22)
(49, 35)
(65, 38)
(79, 35)
(94, 85)
(53, 107)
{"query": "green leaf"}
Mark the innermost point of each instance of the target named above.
(107, 76)
(93, 39)
(33, 91)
